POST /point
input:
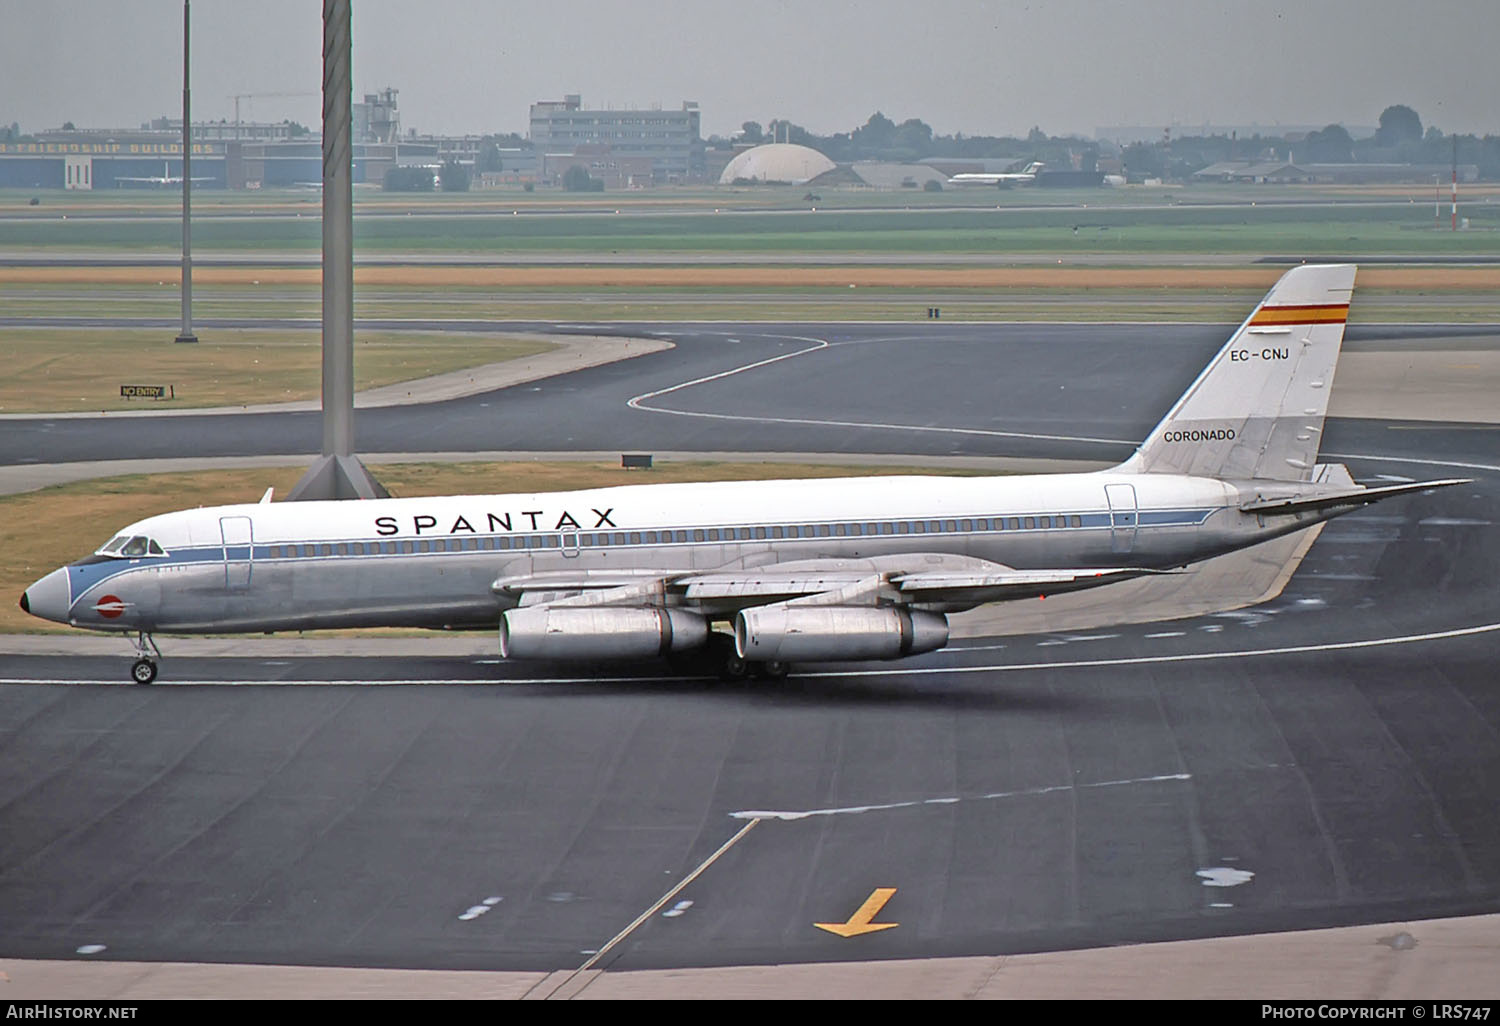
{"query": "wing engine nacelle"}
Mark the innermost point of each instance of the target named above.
(581, 632)
(791, 633)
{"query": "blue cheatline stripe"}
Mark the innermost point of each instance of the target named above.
(89, 575)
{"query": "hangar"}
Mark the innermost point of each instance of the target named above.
(776, 162)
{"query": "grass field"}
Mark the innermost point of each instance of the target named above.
(1193, 223)
(59, 370)
(81, 517)
(740, 293)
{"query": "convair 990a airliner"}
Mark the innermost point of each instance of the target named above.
(798, 571)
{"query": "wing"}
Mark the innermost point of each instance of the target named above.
(803, 610)
(932, 581)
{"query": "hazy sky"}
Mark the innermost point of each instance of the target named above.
(980, 67)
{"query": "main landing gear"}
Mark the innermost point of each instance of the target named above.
(719, 658)
(143, 670)
(733, 666)
(736, 667)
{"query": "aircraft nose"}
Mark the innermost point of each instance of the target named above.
(49, 597)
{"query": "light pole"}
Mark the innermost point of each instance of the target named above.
(186, 334)
(337, 473)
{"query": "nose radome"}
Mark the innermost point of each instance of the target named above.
(49, 597)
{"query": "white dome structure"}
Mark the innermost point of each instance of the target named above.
(777, 162)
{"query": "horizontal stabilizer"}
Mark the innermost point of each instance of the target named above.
(1344, 497)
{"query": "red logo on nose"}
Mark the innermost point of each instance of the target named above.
(109, 606)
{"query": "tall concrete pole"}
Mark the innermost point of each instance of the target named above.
(338, 233)
(338, 473)
(186, 334)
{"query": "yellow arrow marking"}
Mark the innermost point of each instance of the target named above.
(860, 922)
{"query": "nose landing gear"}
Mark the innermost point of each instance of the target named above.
(143, 670)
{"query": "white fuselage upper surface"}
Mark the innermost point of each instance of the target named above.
(433, 561)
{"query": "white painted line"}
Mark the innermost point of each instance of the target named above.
(640, 403)
(1221, 876)
(927, 671)
(757, 815)
(617, 938)
(1410, 459)
(637, 402)
(1334, 646)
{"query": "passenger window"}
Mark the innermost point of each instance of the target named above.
(698, 534)
(951, 525)
(794, 531)
(713, 534)
(635, 537)
(744, 534)
(406, 547)
(1015, 523)
(343, 549)
(1077, 520)
(822, 530)
(934, 526)
(885, 528)
(1046, 522)
(777, 532)
(903, 527)
(968, 525)
(918, 527)
(503, 543)
(650, 537)
(275, 552)
(760, 534)
(1030, 523)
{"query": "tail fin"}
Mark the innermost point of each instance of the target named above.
(1257, 409)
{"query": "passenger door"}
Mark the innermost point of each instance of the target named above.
(239, 551)
(1123, 517)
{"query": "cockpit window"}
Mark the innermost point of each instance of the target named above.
(128, 546)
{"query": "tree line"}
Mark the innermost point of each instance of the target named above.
(1400, 139)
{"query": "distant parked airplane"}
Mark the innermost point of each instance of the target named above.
(798, 571)
(165, 178)
(1002, 178)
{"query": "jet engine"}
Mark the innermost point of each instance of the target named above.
(581, 632)
(788, 633)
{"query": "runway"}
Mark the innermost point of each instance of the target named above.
(1328, 758)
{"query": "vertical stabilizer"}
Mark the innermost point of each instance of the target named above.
(1257, 409)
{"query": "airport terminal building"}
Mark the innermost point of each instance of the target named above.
(100, 159)
(669, 140)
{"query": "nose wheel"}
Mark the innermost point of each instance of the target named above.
(143, 670)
